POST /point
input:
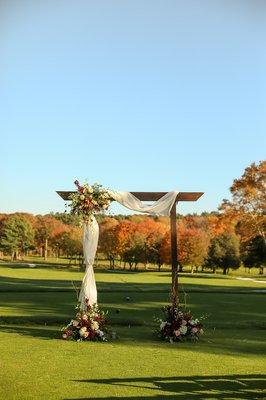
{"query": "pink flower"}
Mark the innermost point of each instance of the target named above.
(177, 332)
(183, 322)
(194, 330)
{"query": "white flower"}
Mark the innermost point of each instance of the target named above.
(75, 322)
(90, 189)
(95, 325)
(100, 333)
(183, 329)
(163, 323)
(82, 331)
(82, 197)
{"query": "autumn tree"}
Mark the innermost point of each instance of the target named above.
(124, 232)
(73, 245)
(58, 240)
(108, 239)
(165, 249)
(135, 251)
(152, 232)
(46, 228)
(248, 204)
(192, 244)
(139, 240)
(217, 223)
(192, 247)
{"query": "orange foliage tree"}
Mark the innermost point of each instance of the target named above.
(108, 239)
(47, 227)
(248, 204)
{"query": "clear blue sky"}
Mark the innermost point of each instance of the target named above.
(135, 94)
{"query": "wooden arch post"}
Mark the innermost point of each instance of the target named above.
(153, 196)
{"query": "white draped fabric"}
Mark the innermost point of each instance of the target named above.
(90, 241)
(162, 206)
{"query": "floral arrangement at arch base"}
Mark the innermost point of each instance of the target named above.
(89, 325)
(179, 325)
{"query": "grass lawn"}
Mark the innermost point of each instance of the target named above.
(227, 363)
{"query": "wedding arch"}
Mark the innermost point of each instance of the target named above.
(164, 203)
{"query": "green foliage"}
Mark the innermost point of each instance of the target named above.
(254, 253)
(17, 235)
(135, 252)
(67, 218)
(224, 252)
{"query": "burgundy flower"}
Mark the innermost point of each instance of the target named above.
(176, 325)
(93, 334)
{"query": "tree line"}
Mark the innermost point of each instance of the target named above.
(232, 236)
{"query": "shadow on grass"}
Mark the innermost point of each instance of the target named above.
(52, 302)
(49, 303)
(12, 284)
(188, 387)
(235, 343)
(36, 331)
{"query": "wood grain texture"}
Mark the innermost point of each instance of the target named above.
(149, 196)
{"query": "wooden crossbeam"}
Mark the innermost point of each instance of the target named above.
(149, 196)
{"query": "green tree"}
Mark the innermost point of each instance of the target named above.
(254, 253)
(136, 250)
(67, 218)
(17, 236)
(224, 252)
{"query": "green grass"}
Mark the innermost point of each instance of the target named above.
(227, 363)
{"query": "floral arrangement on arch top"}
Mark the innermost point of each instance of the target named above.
(89, 200)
